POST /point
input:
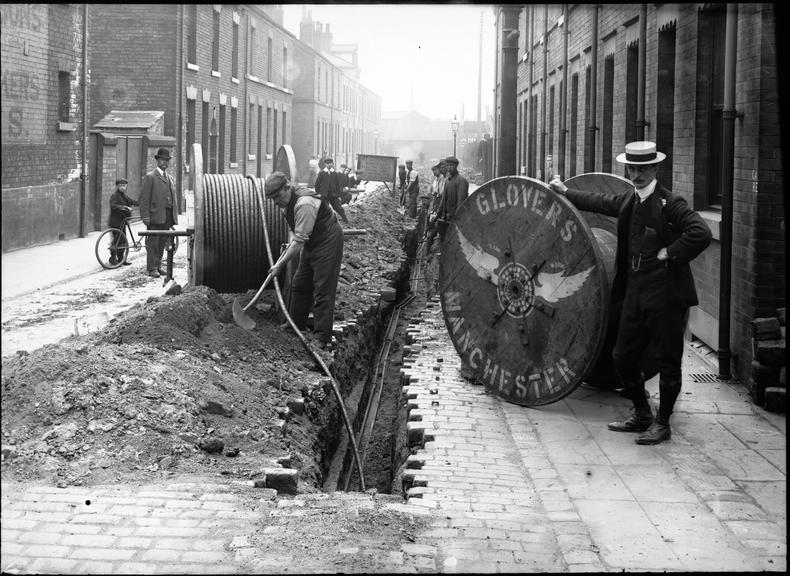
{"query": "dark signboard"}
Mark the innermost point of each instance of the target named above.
(378, 168)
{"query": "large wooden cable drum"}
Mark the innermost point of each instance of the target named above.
(524, 290)
(231, 255)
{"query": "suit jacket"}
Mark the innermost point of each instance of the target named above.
(681, 230)
(154, 198)
(120, 209)
(327, 185)
(456, 189)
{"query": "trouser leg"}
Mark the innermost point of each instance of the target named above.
(672, 325)
(154, 247)
(632, 338)
(301, 292)
(326, 269)
(442, 228)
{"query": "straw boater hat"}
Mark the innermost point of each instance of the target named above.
(641, 153)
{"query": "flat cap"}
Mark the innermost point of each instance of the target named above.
(274, 182)
(451, 160)
(121, 181)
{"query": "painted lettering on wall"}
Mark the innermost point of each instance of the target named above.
(504, 195)
(25, 73)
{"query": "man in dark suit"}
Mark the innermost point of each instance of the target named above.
(158, 210)
(328, 186)
(658, 234)
(120, 210)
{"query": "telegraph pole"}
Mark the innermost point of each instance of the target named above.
(479, 78)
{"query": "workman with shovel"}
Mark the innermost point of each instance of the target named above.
(317, 234)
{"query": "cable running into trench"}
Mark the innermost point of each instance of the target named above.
(307, 346)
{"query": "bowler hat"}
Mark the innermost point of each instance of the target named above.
(163, 153)
(451, 160)
(641, 153)
(328, 161)
(274, 182)
(121, 181)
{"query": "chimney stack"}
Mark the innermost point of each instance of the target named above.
(327, 39)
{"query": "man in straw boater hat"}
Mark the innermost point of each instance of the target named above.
(658, 234)
(317, 235)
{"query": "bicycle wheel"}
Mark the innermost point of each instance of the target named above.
(112, 248)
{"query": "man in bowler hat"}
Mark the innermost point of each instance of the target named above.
(658, 234)
(158, 210)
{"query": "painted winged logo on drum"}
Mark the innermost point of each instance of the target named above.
(549, 286)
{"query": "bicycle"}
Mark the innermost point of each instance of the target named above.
(112, 245)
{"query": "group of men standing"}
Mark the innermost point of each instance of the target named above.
(336, 186)
(448, 190)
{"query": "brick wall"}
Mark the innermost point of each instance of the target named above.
(758, 270)
(759, 244)
(41, 159)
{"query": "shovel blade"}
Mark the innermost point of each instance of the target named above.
(240, 316)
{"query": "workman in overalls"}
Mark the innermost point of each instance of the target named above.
(317, 235)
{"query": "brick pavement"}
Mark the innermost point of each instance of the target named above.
(550, 488)
(502, 488)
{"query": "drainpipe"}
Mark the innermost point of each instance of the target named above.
(84, 172)
(507, 141)
(179, 110)
(640, 76)
(530, 124)
(593, 86)
(544, 175)
(563, 95)
(246, 14)
(727, 164)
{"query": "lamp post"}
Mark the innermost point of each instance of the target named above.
(454, 125)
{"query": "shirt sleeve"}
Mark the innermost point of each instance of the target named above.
(305, 214)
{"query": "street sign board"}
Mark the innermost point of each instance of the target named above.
(378, 168)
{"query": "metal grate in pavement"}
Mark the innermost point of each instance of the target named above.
(707, 377)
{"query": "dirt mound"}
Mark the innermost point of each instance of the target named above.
(173, 385)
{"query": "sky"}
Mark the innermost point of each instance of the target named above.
(428, 51)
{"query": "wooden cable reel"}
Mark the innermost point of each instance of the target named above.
(229, 249)
(524, 290)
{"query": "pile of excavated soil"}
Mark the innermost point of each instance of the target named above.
(174, 386)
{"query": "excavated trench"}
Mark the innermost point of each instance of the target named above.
(174, 386)
(368, 371)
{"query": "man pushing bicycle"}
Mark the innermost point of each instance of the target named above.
(120, 210)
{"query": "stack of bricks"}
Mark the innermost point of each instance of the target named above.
(768, 382)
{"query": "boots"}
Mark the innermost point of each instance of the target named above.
(641, 415)
(659, 431)
(656, 433)
(640, 420)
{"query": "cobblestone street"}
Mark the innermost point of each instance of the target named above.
(498, 487)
